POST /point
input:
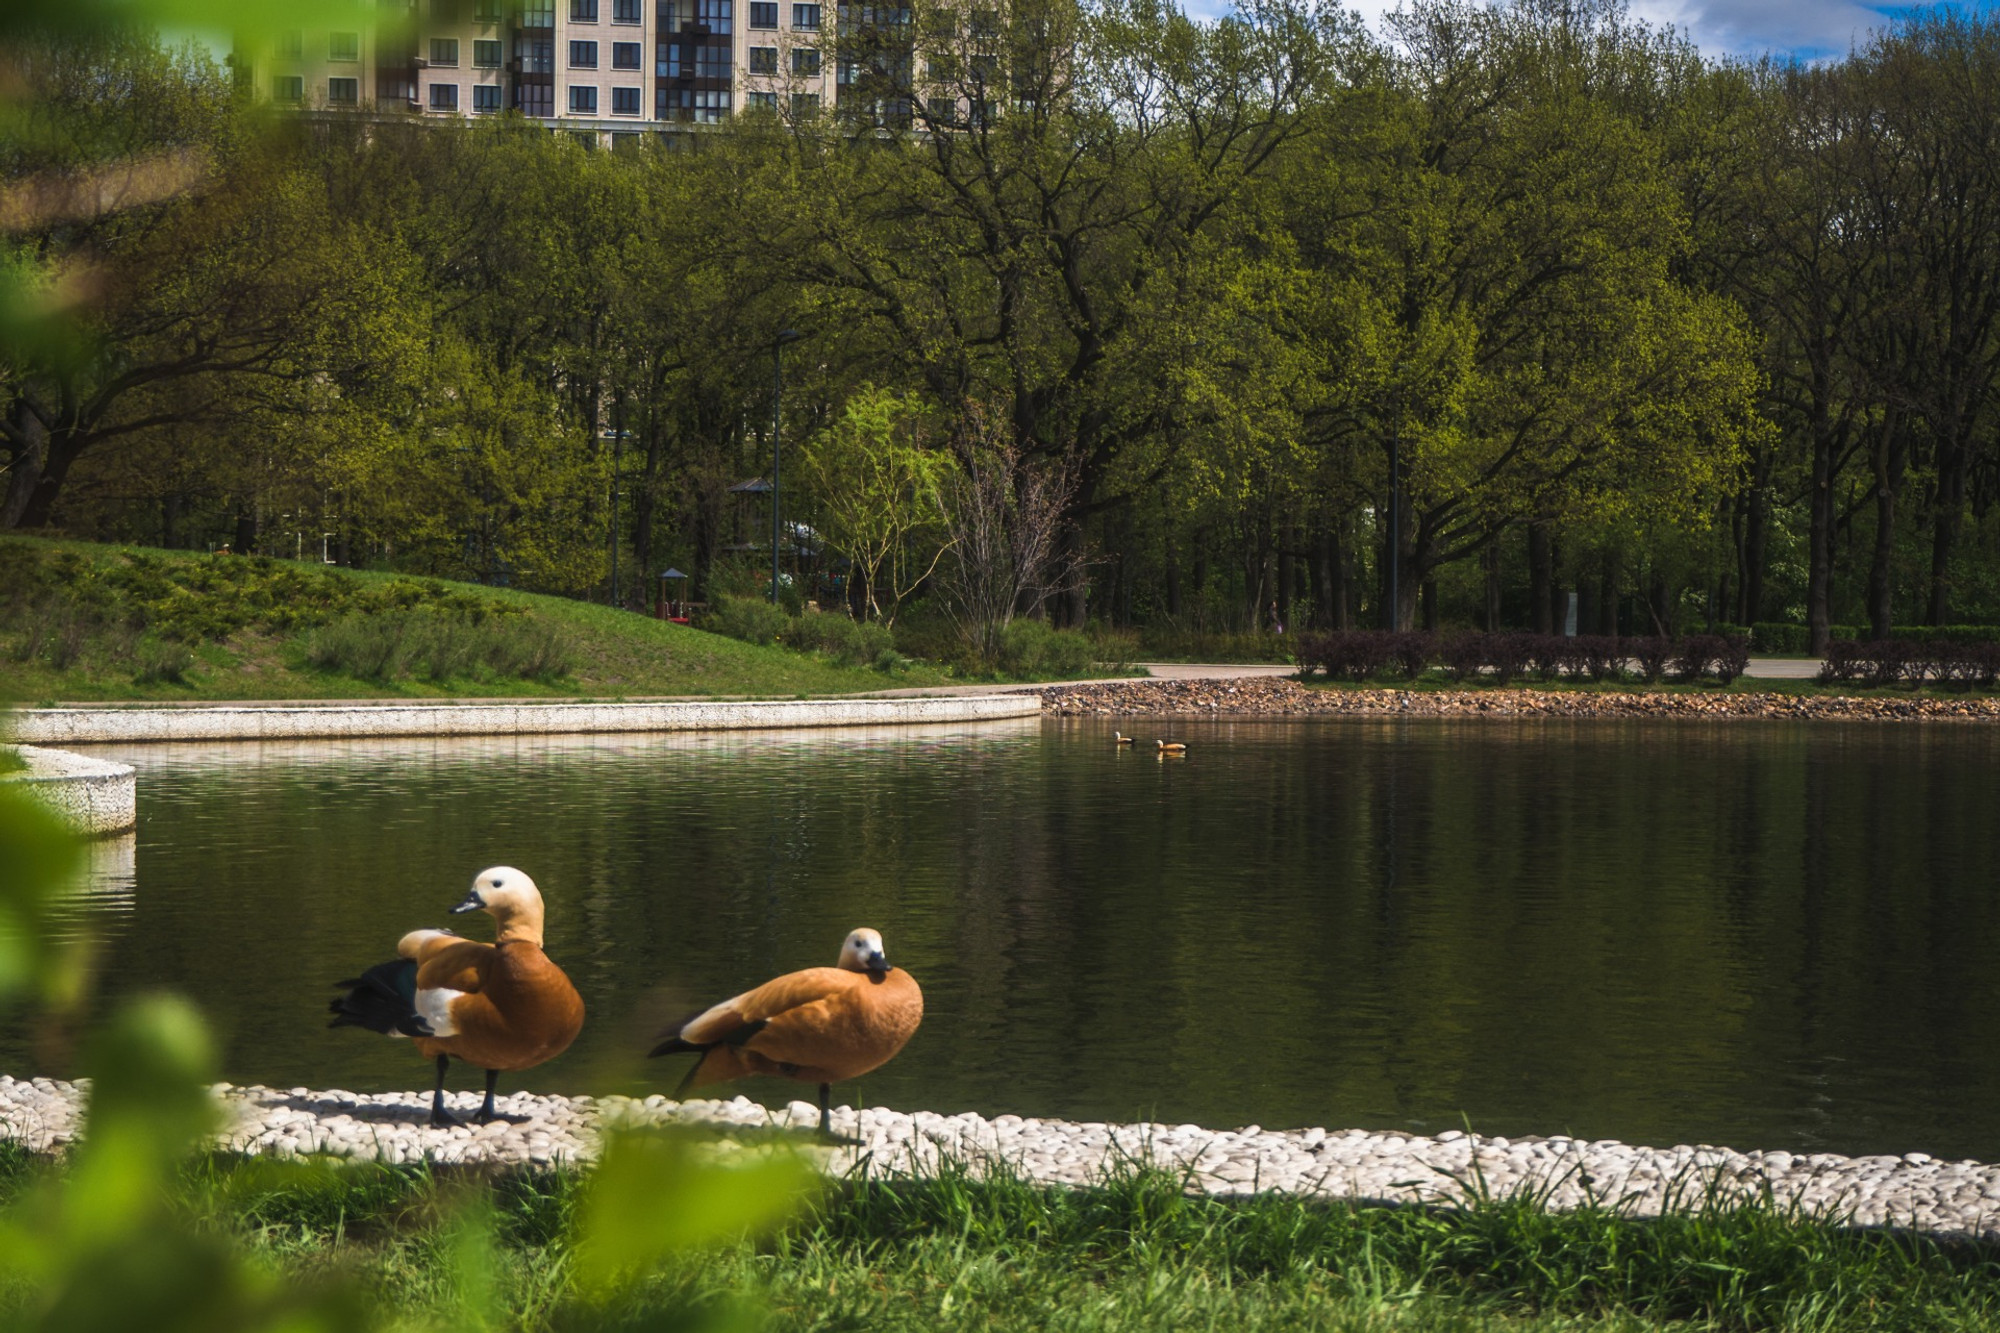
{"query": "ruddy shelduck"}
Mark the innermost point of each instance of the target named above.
(1172, 747)
(1121, 738)
(500, 1006)
(822, 1025)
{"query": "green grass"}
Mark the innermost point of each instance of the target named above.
(1135, 1253)
(86, 622)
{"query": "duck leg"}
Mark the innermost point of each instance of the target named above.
(486, 1115)
(441, 1118)
(826, 1118)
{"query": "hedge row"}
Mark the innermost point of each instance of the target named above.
(1795, 639)
(1896, 661)
(1364, 654)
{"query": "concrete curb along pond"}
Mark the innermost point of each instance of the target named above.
(1915, 1191)
(115, 725)
(94, 796)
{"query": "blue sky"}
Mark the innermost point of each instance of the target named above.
(1808, 29)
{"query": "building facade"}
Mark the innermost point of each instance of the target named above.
(594, 67)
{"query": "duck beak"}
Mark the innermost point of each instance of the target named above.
(877, 963)
(473, 903)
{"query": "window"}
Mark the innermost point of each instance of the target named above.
(536, 99)
(985, 23)
(583, 101)
(805, 60)
(444, 51)
(627, 11)
(763, 13)
(444, 97)
(805, 105)
(486, 54)
(583, 11)
(942, 68)
(486, 97)
(713, 15)
(624, 101)
(538, 13)
(538, 56)
(711, 62)
(686, 104)
(805, 17)
(486, 11)
(626, 55)
(343, 46)
(763, 60)
(291, 43)
(762, 101)
(343, 92)
(583, 55)
(444, 11)
(288, 88)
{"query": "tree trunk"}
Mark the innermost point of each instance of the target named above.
(1751, 560)
(1541, 576)
(1491, 560)
(1887, 453)
(1323, 557)
(1428, 604)
(1819, 540)
(1173, 583)
(1607, 596)
(1945, 523)
(246, 529)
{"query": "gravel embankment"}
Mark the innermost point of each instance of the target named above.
(1287, 698)
(1912, 1190)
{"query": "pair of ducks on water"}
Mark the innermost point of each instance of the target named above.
(1166, 747)
(506, 1006)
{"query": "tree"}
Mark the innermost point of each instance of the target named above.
(879, 489)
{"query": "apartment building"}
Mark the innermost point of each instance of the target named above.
(593, 67)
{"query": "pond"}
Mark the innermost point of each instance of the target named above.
(1765, 935)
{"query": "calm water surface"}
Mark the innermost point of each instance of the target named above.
(1762, 935)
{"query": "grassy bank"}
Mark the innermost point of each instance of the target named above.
(1134, 1254)
(82, 622)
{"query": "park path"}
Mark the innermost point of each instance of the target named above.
(1761, 668)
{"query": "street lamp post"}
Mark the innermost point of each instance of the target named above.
(777, 418)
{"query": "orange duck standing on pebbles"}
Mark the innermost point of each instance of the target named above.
(821, 1025)
(500, 1006)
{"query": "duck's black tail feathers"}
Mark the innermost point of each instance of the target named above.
(675, 1046)
(382, 999)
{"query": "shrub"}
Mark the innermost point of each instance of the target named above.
(365, 647)
(159, 662)
(1771, 637)
(1733, 658)
(1603, 655)
(1842, 663)
(748, 619)
(848, 641)
(1462, 655)
(1692, 655)
(1508, 655)
(1652, 652)
(1886, 661)
(1032, 648)
(1411, 651)
(439, 647)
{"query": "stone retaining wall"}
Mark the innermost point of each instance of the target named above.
(80, 726)
(1268, 697)
(94, 795)
(1913, 1190)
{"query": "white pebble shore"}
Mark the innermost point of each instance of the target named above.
(1913, 1190)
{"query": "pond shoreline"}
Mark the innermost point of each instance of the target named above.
(123, 724)
(1274, 697)
(1914, 1191)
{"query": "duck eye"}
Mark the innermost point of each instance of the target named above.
(496, 883)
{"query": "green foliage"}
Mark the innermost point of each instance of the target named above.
(748, 619)
(440, 647)
(833, 634)
(1030, 648)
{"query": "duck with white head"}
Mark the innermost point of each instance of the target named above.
(819, 1025)
(501, 1006)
